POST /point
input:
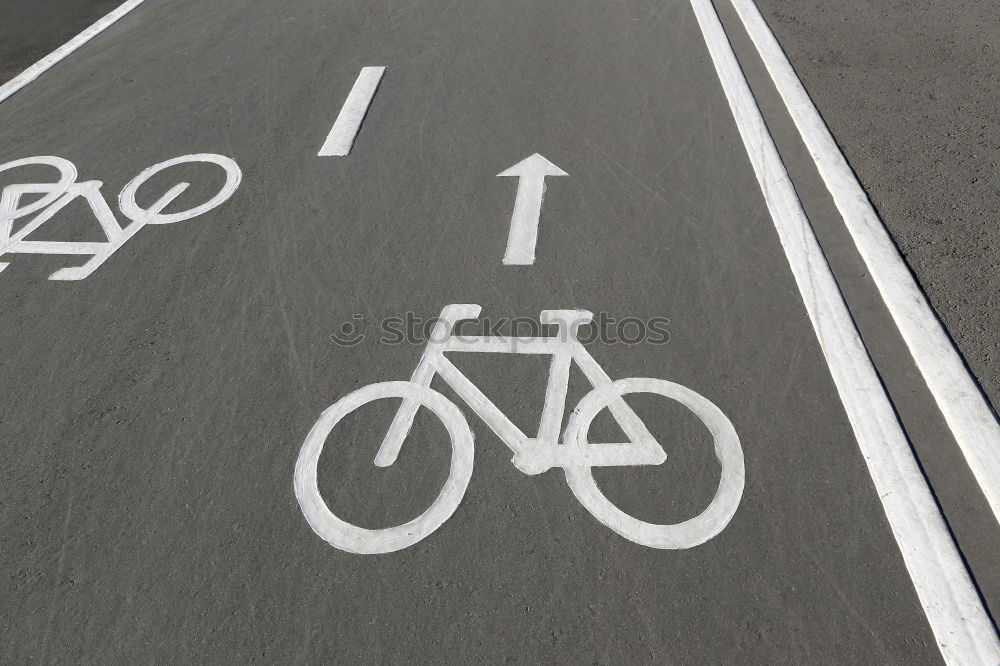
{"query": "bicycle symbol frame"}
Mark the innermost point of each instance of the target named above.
(575, 455)
(57, 195)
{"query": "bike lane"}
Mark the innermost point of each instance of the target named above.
(158, 407)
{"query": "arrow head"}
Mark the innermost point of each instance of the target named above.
(536, 165)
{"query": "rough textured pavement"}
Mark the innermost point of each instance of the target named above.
(154, 411)
(909, 89)
(31, 29)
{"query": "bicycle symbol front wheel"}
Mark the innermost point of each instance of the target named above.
(688, 533)
(126, 200)
(345, 536)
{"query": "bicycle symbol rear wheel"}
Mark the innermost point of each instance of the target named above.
(67, 176)
(345, 536)
(728, 451)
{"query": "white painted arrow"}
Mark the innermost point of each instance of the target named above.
(527, 207)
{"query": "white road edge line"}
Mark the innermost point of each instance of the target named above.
(961, 626)
(348, 123)
(966, 410)
(52, 59)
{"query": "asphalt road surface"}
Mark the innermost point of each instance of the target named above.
(32, 29)
(908, 87)
(155, 500)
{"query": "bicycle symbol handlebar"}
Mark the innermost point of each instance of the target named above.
(56, 196)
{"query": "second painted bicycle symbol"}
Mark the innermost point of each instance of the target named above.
(56, 196)
(575, 455)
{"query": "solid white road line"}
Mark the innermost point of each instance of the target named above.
(966, 410)
(46, 63)
(964, 632)
(523, 236)
(348, 122)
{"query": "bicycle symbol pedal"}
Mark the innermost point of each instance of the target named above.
(56, 196)
(575, 454)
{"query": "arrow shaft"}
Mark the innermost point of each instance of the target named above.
(524, 222)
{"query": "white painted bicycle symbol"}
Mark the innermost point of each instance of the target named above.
(55, 196)
(576, 455)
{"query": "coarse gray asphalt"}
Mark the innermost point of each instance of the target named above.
(909, 89)
(154, 411)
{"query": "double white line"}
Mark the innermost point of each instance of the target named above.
(954, 610)
(966, 410)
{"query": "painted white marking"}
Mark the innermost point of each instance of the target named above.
(66, 191)
(949, 598)
(576, 455)
(67, 176)
(966, 410)
(11, 195)
(348, 123)
(531, 173)
(353, 539)
(52, 59)
(727, 451)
